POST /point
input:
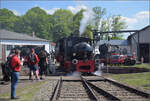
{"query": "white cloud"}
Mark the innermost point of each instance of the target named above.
(129, 21)
(36, 5)
(51, 11)
(75, 9)
(15, 12)
(142, 15)
(140, 20)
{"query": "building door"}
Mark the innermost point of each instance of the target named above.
(144, 52)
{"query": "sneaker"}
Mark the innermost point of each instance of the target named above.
(15, 98)
(41, 78)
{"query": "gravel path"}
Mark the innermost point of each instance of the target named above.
(46, 91)
(43, 94)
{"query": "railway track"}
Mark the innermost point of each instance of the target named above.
(95, 89)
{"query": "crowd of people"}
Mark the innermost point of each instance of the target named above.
(11, 69)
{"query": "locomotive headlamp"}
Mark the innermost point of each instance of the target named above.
(74, 61)
(74, 54)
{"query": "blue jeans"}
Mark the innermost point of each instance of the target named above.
(14, 82)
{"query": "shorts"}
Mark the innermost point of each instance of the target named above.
(33, 68)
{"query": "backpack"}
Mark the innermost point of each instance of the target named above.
(32, 58)
(9, 68)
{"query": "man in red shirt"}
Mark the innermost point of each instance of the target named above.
(33, 63)
(16, 65)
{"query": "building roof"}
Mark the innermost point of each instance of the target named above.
(114, 42)
(8, 35)
(138, 31)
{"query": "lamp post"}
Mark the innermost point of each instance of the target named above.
(108, 51)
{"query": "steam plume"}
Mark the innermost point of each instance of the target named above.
(88, 16)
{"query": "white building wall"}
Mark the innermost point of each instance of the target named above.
(23, 42)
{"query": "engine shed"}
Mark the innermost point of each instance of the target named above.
(9, 40)
(140, 43)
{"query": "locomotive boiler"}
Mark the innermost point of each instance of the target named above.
(75, 54)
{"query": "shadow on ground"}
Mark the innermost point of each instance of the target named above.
(5, 99)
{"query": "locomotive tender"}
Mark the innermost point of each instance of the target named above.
(75, 54)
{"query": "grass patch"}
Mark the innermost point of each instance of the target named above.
(144, 65)
(26, 93)
(141, 80)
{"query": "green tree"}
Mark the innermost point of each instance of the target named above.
(113, 23)
(99, 13)
(117, 24)
(7, 19)
(35, 20)
(76, 21)
(88, 32)
(62, 23)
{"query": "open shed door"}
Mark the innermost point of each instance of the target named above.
(144, 52)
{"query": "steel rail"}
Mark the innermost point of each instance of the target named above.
(89, 90)
(131, 89)
(103, 92)
(56, 92)
(128, 88)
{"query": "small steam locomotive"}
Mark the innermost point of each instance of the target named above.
(75, 54)
(115, 55)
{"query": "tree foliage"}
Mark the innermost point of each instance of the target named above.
(7, 19)
(60, 24)
(117, 24)
(99, 13)
(76, 21)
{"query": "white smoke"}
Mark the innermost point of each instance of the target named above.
(100, 25)
(88, 16)
(74, 74)
(99, 71)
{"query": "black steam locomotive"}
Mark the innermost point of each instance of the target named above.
(75, 54)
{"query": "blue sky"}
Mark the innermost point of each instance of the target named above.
(134, 13)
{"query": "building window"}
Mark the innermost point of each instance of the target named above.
(9, 47)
